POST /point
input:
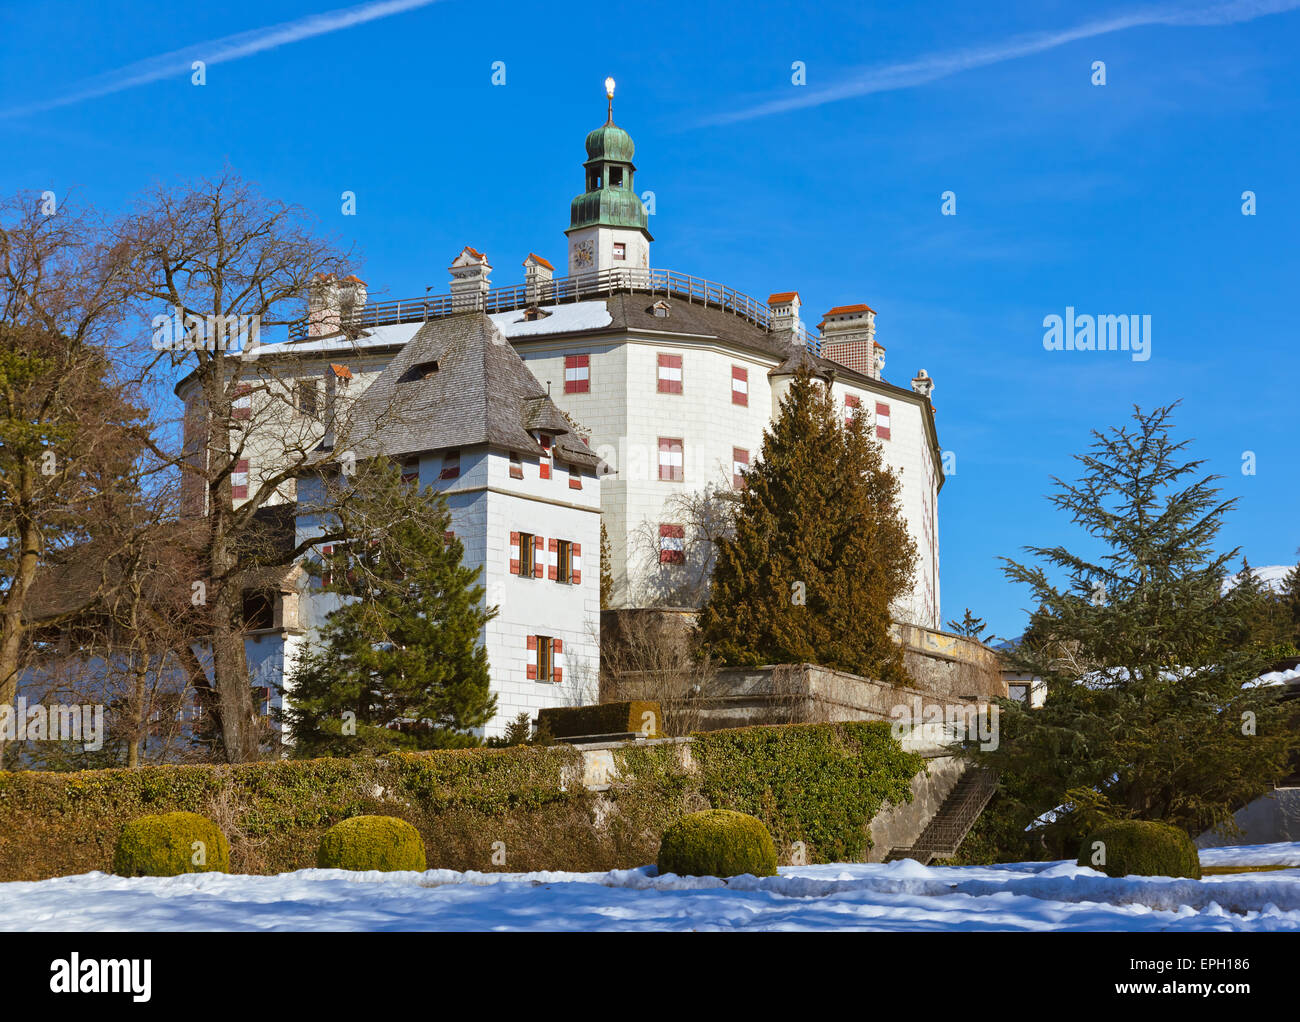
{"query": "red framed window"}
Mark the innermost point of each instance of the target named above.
(527, 554)
(740, 386)
(670, 374)
(242, 406)
(671, 459)
(545, 441)
(672, 544)
(239, 480)
(882, 420)
(516, 465)
(851, 404)
(450, 465)
(739, 466)
(577, 374)
(544, 658)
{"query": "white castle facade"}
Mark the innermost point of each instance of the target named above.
(671, 381)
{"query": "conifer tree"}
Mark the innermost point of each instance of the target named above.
(606, 570)
(820, 552)
(1150, 711)
(971, 626)
(398, 664)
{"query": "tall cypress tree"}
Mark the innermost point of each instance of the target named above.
(820, 551)
(398, 664)
(1147, 657)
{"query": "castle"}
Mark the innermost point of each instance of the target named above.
(610, 394)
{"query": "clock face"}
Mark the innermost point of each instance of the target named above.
(583, 255)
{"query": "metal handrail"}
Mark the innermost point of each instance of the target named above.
(560, 290)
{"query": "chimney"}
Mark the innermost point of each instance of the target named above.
(469, 279)
(849, 338)
(323, 305)
(537, 278)
(352, 298)
(922, 384)
(785, 310)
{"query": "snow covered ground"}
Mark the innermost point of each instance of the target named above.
(896, 896)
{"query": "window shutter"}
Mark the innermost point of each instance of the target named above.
(739, 466)
(326, 553)
(850, 408)
(882, 420)
(514, 553)
(672, 544)
(450, 465)
(671, 459)
(539, 556)
(670, 374)
(545, 463)
(576, 569)
(239, 480)
(740, 386)
(575, 477)
(551, 568)
(448, 537)
(531, 671)
(242, 406)
(577, 374)
(557, 672)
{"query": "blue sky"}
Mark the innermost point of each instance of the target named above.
(1123, 198)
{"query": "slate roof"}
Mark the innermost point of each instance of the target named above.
(480, 392)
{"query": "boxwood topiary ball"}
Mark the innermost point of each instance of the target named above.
(372, 842)
(719, 843)
(169, 844)
(1142, 848)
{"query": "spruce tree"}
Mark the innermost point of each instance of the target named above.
(398, 664)
(1148, 661)
(606, 570)
(971, 626)
(820, 551)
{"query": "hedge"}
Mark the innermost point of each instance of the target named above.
(603, 719)
(717, 843)
(819, 784)
(170, 844)
(1141, 848)
(372, 842)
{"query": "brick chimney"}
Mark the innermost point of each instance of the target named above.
(785, 310)
(537, 278)
(469, 279)
(331, 302)
(849, 338)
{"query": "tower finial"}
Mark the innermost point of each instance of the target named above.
(609, 93)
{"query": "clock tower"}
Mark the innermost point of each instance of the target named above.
(608, 227)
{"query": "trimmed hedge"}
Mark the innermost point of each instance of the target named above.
(169, 844)
(1142, 848)
(819, 784)
(372, 842)
(603, 719)
(717, 843)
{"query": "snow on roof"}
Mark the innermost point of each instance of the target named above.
(563, 319)
(376, 337)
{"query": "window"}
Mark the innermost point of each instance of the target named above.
(259, 610)
(575, 477)
(661, 309)
(851, 403)
(262, 700)
(242, 406)
(543, 658)
(239, 480)
(670, 374)
(544, 465)
(616, 181)
(670, 459)
(577, 374)
(450, 465)
(411, 471)
(882, 420)
(516, 465)
(522, 545)
(739, 466)
(305, 397)
(564, 561)
(740, 386)
(620, 251)
(672, 544)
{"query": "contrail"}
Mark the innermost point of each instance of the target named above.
(890, 77)
(219, 51)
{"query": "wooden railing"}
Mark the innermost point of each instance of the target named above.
(560, 290)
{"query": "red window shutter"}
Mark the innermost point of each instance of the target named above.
(239, 480)
(552, 572)
(670, 374)
(242, 408)
(672, 544)
(850, 408)
(539, 556)
(514, 553)
(516, 467)
(882, 420)
(545, 441)
(531, 671)
(325, 575)
(450, 465)
(671, 459)
(447, 537)
(575, 569)
(575, 478)
(557, 672)
(739, 466)
(577, 374)
(740, 386)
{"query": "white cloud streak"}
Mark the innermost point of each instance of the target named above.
(220, 51)
(891, 77)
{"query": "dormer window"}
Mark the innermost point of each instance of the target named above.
(420, 371)
(660, 309)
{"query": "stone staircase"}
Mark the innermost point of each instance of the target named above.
(950, 825)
